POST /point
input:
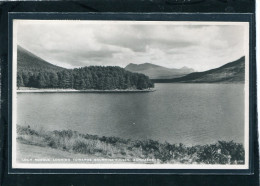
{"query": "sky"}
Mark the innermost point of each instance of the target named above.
(73, 44)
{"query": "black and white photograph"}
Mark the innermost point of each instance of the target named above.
(103, 94)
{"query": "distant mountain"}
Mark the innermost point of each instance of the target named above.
(158, 72)
(231, 72)
(29, 61)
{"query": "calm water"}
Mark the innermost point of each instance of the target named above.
(177, 113)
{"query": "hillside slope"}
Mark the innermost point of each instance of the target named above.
(158, 72)
(233, 72)
(28, 61)
(35, 72)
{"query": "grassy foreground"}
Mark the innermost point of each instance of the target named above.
(222, 152)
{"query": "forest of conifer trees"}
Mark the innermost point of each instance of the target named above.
(93, 77)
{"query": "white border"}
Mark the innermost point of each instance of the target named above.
(16, 164)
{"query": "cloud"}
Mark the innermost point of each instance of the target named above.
(83, 43)
(137, 38)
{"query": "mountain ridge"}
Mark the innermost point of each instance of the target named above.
(26, 60)
(231, 72)
(158, 72)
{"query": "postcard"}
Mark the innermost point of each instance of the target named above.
(124, 94)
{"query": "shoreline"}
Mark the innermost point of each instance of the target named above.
(81, 91)
(73, 142)
(185, 82)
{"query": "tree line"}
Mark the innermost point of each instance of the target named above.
(93, 77)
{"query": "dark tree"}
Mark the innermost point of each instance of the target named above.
(19, 80)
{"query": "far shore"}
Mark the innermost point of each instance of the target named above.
(35, 90)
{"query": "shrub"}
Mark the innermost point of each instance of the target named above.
(235, 150)
(65, 133)
(26, 131)
(211, 154)
(164, 155)
(222, 152)
(81, 147)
